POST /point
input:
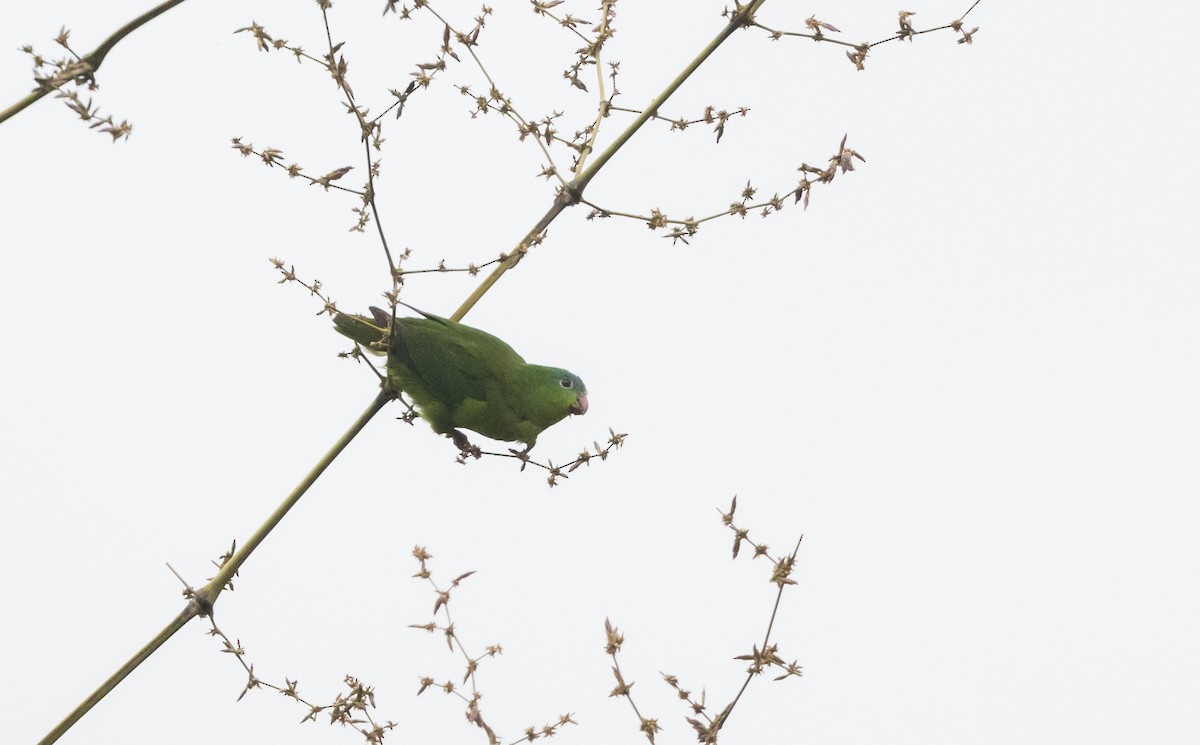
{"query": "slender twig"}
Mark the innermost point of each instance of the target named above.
(561, 202)
(271, 156)
(738, 19)
(723, 717)
(968, 10)
(364, 128)
(572, 192)
(392, 266)
(602, 105)
(627, 696)
(205, 598)
(511, 112)
(820, 37)
(96, 57)
(216, 585)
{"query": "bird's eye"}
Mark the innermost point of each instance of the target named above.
(566, 383)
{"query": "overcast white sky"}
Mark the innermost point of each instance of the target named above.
(967, 375)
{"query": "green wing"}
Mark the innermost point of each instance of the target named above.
(449, 368)
(456, 362)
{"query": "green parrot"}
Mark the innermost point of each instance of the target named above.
(459, 376)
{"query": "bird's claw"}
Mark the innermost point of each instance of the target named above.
(522, 455)
(464, 446)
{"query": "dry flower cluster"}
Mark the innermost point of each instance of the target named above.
(763, 655)
(472, 695)
(353, 707)
(841, 161)
(66, 76)
(815, 30)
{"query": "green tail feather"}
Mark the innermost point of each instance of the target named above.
(361, 330)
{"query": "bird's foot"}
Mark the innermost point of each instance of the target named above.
(465, 448)
(522, 455)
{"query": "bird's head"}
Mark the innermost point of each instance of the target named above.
(560, 392)
(549, 395)
(570, 383)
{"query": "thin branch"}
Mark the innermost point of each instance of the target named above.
(572, 192)
(739, 19)
(210, 592)
(271, 158)
(205, 598)
(509, 110)
(192, 610)
(92, 61)
(859, 55)
(602, 106)
(723, 717)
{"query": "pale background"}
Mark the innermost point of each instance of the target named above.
(967, 374)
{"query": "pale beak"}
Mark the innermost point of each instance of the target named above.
(580, 405)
